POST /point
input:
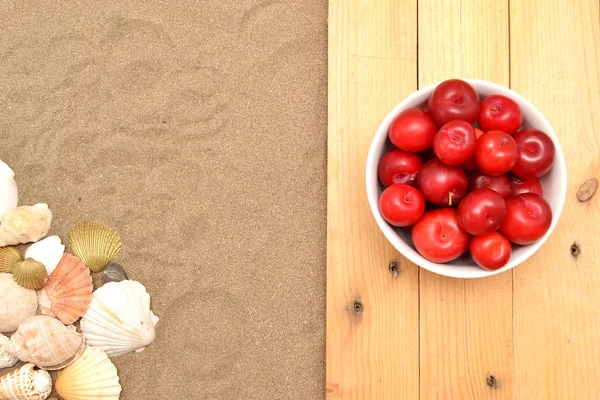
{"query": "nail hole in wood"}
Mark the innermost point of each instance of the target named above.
(575, 250)
(587, 190)
(490, 381)
(357, 306)
(393, 268)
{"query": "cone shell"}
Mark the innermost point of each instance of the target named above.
(46, 342)
(68, 291)
(9, 256)
(29, 273)
(96, 245)
(92, 377)
(6, 360)
(48, 251)
(25, 224)
(9, 195)
(16, 303)
(26, 383)
(119, 319)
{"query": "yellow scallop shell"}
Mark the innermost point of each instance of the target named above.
(9, 256)
(95, 244)
(29, 273)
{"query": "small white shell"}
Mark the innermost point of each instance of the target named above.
(9, 195)
(119, 319)
(48, 251)
(25, 224)
(6, 360)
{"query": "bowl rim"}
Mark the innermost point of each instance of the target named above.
(372, 182)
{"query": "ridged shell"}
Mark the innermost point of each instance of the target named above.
(26, 383)
(6, 360)
(68, 291)
(16, 303)
(46, 342)
(25, 224)
(9, 195)
(114, 273)
(119, 319)
(9, 256)
(29, 273)
(92, 377)
(96, 245)
(48, 251)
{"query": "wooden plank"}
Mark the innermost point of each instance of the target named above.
(466, 325)
(372, 315)
(555, 63)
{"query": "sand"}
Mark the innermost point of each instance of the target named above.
(198, 131)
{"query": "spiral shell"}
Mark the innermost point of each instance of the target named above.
(26, 383)
(9, 195)
(96, 245)
(6, 360)
(46, 342)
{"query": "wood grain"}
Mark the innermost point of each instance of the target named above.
(555, 63)
(466, 325)
(372, 315)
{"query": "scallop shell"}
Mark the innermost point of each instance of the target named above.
(25, 224)
(26, 383)
(9, 256)
(68, 291)
(9, 195)
(119, 319)
(6, 360)
(46, 342)
(114, 272)
(92, 377)
(16, 303)
(96, 245)
(48, 251)
(29, 273)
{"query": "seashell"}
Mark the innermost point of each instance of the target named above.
(16, 303)
(119, 319)
(6, 360)
(29, 273)
(46, 342)
(48, 251)
(25, 224)
(114, 272)
(68, 291)
(9, 256)
(26, 383)
(96, 245)
(93, 376)
(9, 195)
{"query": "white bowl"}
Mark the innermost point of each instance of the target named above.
(554, 184)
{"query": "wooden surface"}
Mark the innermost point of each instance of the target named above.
(531, 333)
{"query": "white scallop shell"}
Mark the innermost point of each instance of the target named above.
(6, 359)
(48, 251)
(93, 376)
(9, 195)
(119, 319)
(25, 224)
